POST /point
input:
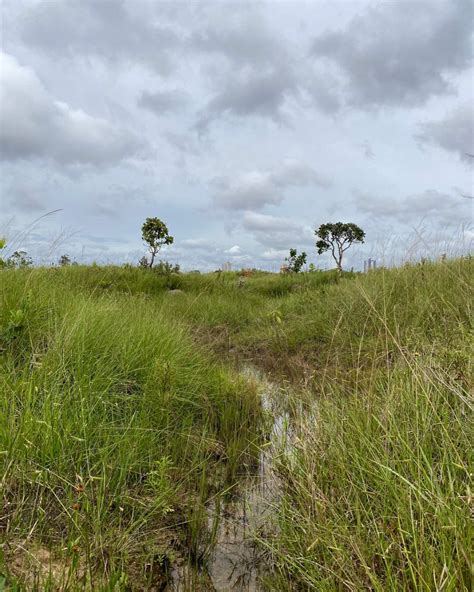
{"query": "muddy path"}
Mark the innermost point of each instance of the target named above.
(246, 512)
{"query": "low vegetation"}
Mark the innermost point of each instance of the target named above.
(122, 402)
(112, 425)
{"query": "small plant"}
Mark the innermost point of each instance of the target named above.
(276, 316)
(166, 268)
(295, 262)
(16, 322)
(64, 260)
(159, 482)
(155, 234)
(338, 237)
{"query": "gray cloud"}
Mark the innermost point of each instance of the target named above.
(241, 36)
(299, 174)
(323, 88)
(255, 75)
(454, 133)
(250, 92)
(115, 200)
(118, 31)
(164, 102)
(183, 142)
(400, 54)
(26, 194)
(26, 199)
(253, 70)
(85, 96)
(275, 232)
(35, 125)
(249, 191)
(254, 190)
(430, 206)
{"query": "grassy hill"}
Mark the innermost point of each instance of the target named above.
(123, 411)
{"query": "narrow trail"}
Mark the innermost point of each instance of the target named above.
(234, 561)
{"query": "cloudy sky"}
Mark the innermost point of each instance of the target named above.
(243, 125)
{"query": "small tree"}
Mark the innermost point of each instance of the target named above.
(19, 259)
(295, 262)
(155, 235)
(64, 260)
(338, 237)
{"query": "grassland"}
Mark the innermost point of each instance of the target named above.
(121, 402)
(111, 424)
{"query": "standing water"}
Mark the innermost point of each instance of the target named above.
(234, 562)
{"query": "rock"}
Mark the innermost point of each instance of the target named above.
(176, 291)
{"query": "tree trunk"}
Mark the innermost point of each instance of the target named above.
(153, 253)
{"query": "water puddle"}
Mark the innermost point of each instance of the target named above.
(236, 518)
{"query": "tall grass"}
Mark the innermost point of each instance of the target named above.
(110, 424)
(377, 487)
(115, 416)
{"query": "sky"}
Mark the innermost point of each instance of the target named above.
(242, 125)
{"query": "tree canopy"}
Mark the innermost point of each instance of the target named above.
(338, 237)
(155, 234)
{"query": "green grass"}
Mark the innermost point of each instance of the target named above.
(111, 384)
(377, 487)
(110, 424)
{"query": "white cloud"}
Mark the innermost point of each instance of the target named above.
(274, 255)
(266, 223)
(277, 232)
(197, 243)
(235, 250)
